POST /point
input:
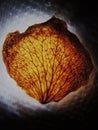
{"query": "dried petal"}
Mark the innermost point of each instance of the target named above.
(47, 60)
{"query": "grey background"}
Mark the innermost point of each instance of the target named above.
(84, 17)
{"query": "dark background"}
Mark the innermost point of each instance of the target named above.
(84, 16)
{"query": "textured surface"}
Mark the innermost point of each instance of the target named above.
(47, 60)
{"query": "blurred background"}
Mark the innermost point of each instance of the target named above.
(82, 17)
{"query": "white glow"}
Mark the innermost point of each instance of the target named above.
(11, 95)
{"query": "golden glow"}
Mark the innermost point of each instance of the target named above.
(47, 61)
